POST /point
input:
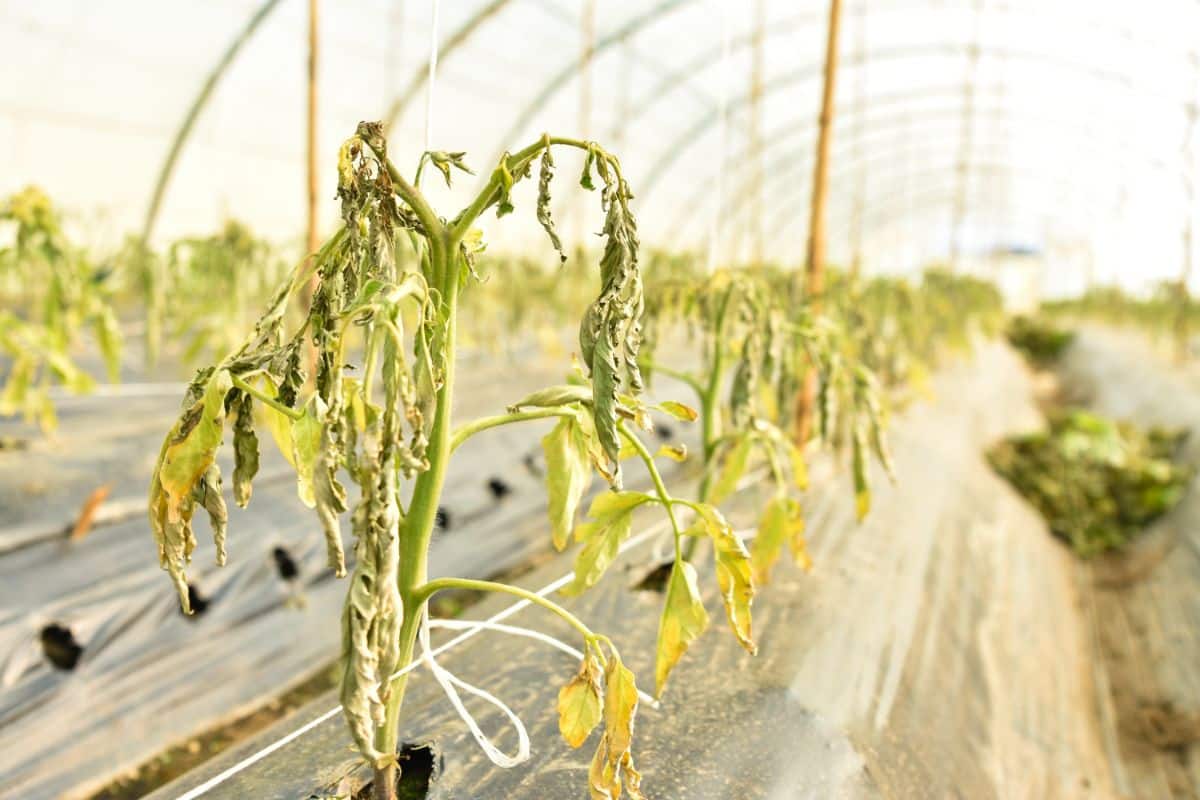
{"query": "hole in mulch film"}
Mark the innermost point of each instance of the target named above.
(531, 465)
(419, 767)
(442, 520)
(59, 646)
(197, 601)
(656, 579)
(498, 488)
(665, 432)
(285, 565)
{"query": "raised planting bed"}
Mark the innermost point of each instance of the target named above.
(937, 649)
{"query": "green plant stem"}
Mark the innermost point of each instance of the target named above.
(490, 193)
(427, 591)
(466, 431)
(417, 528)
(659, 486)
(262, 397)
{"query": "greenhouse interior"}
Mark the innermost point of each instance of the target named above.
(660, 400)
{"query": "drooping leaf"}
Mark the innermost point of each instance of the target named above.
(568, 475)
(579, 703)
(278, 424)
(683, 620)
(610, 520)
(306, 446)
(679, 411)
(734, 572)
(733, 467)
(545, 175)
(108, 336)
(245, 449)
(675, 452)
(862, 486)
(782, 523)
(187, 454)
(612, 768)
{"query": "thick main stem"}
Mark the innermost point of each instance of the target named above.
(417, 528)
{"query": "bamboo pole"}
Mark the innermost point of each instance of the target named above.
(814, 284)
(815, 255)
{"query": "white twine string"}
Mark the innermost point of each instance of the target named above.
(504, 614)
(448, 681)
(716, 206)
(429, 84)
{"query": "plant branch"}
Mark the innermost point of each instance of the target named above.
(515, 164)
(660, 488)
(469, 429)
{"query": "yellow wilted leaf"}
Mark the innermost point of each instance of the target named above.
(611, 520)
(732, 470)
(568, 475)
(862, 488)
(620, 704)
(579, 703)
(192, 444)
(612, 767)
(683, 620)
(306, 444)
(278, 423)
(781, 522)
(799, 467)
(679, 411)
(733, 574)
(187, 454)
(677, 452)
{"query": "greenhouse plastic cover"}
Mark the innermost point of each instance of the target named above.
(1064, 128)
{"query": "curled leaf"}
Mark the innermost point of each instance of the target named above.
(245, 449)
(545, 175)
(187, 454)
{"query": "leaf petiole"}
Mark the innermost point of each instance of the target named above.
(291, 413)
(469, 429)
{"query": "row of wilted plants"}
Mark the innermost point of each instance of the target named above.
(384, 321)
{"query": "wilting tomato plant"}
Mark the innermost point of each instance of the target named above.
(387, 419)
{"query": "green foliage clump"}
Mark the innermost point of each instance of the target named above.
(1096, 481)
(1040, 340)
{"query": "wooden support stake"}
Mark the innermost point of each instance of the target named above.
(815, 257)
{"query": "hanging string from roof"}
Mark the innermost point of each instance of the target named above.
(429, 85)
(716, 205)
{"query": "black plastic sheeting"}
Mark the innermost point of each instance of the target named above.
(100, 671)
